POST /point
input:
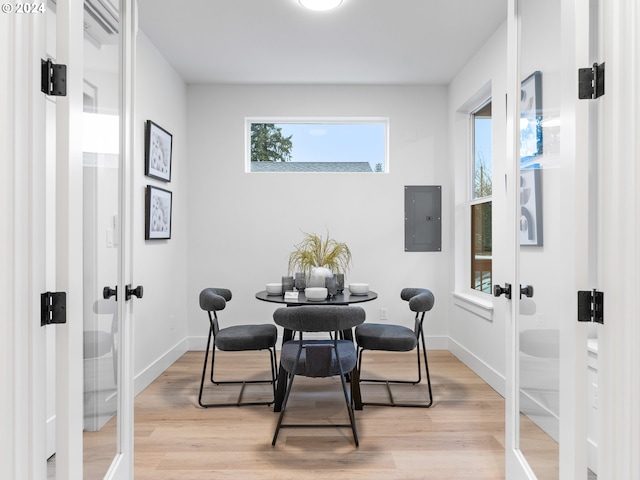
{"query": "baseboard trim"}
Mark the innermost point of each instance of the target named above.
(484, 371)
(153, 371)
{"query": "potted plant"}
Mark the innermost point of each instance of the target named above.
(319, 258)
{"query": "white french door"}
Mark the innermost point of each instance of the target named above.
(548, 189)
(94, 398)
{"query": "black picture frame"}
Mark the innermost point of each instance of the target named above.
(158, 144)
(158, 213)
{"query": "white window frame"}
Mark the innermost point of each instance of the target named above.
(472, 200)
(320, 121)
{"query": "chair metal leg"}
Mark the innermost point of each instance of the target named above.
(213, 361)
(274, 371)
(239, 402)
(290, 377)
(347, 399)
(281, 386)
(204, 367)
(352, 417)
(426, 368)
(392, 402)
(284, 405)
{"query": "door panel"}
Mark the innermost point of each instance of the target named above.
(106, 93)
(101, 166)
(542, 230)
(93, 385)
(548, 349)
(100, 259)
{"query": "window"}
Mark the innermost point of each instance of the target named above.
(317, 145)
(481, 237)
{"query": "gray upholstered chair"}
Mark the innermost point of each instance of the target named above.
(398, 338)
(234, 339)
(318, 357)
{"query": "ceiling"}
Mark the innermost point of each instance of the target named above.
(279, 42)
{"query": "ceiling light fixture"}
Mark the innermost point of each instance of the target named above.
(320, 5)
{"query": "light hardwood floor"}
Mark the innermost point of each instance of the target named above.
(460, 437)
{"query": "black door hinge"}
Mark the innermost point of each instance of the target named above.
(591, 306)
(53, 308)
(591, 82)
(53, 78)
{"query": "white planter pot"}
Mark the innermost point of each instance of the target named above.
(317, 276)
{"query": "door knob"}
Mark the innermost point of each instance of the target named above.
(527, 291)
(108, 292)
(138, 291)
(498, 290)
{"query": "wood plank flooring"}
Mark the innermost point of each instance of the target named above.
(460, 437)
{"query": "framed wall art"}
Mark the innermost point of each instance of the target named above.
(157, 153)
(158, 204)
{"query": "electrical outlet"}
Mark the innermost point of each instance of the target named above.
(384, 314)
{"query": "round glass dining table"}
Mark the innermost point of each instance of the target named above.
(344, 298)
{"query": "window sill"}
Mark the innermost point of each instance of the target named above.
(474, 304)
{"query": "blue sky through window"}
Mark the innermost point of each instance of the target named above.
(337, 142)
(482, 154)
(483, 139)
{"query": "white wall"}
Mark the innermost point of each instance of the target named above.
(477, 332)
(243, 226)
(160, 318)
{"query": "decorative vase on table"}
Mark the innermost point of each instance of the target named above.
(318, 275)
(300, 281)
(332, 286)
